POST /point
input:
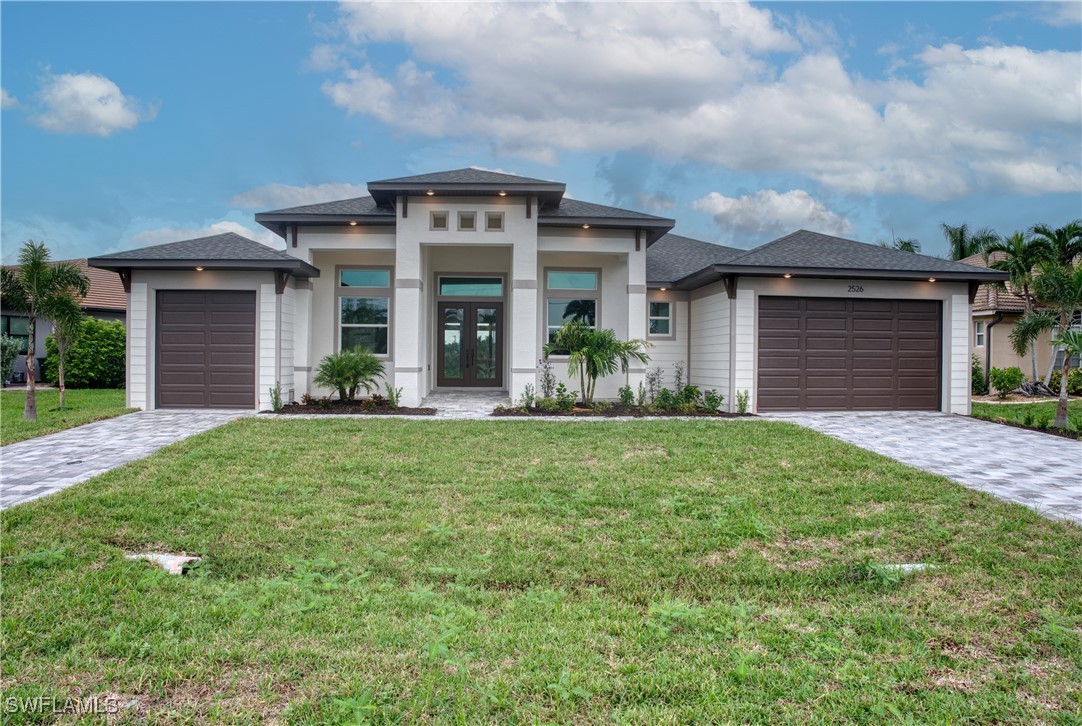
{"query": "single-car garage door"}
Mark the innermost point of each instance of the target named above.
(835, 354)
(206, 349)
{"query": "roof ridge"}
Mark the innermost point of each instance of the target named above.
(768, 244)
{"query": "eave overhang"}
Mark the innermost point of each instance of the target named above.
(297, 268)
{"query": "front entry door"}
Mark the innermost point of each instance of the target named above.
(469, 344)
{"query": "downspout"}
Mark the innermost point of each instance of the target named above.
(988, 349)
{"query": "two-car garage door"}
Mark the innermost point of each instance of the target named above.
(836, 354)
(206, 349)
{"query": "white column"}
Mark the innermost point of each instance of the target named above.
(523, 319)
(957, 317)
(408, 315)
(267, 324)
(138, 346)
(302, 338)
(636, 312)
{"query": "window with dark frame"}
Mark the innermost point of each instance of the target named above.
(17, 326)
(659, 320)
(364, 307)
(570, 296)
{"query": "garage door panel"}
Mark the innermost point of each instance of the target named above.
(206, 349)
(779, 323)
(851, 355)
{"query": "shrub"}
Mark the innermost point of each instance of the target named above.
(548, 379)
(1074, 382)
(9, 351)
(743, 398)
(712, 401)
(690, 394)
(1005, 380)
(678, 375)
(96, 360)
(394, 396)
(565, 399)
(640, 398)
(653, 383)
(276, 396)
(666, 399)
(627, 396)
(547, 405)
(528, 396)
(979, 389)
(348, 371)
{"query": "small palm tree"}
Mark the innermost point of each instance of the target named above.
(348, 371)
(39, 287)
(961, 243)
(1019, 256)
(67, 318)
(592, 354)
(1064, 244)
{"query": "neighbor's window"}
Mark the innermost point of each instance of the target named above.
(17, 326)
(570, 295)
(494, 221)
(438, 221)
(659, 320)
(467, 221)
(471, 286)
(364, 307)
(978, 334)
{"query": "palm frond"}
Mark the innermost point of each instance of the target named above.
(1029, 327)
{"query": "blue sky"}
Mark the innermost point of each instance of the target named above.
(126, 124)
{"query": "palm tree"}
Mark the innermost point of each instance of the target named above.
(962, 244)
(902, 244)
(39, 287)
(1019, 255)
(592, 354)
(1065, 243)
(1058, 290)
(67, 319)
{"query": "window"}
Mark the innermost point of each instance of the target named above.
(17, 326)
(471, 286)
(467, 221)
(438, 221)
(978, 334)
(494, 221)
(659, 320)
(364, 306)
(570, 295)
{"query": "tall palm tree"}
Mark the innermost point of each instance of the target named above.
(592, 354)
(1019, 254)
(39, 287)
(1065, 243)
(962, 243)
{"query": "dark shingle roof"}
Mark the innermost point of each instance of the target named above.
(674, 257)
(358, 207)
(804, 249)
(226, 250)
(576, 208)
(468, 175)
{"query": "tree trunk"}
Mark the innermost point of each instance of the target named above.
(582, 381)
(1061, 407)
(1033, 345)
(30, 410)
(60, 375)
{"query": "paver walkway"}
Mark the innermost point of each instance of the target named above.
(1041, 471)
(464, 404)
(38, 467)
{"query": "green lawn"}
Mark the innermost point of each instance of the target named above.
(521, 571)
(83, 406)
(1030, 414)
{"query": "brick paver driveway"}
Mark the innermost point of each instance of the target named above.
(38, 467)
(1038, 470)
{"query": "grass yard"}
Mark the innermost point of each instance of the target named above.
(1030, 414)
(83, 406)
(520, 571)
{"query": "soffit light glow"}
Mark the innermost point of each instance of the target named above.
(787, 275)
(198, 269)
(352, 223)
(503, 194)
(430, 192)
(586, 226)
(663, 289)
(931, 279)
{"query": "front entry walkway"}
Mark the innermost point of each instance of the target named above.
(1041, 471)
(472, 404)
(38, 467)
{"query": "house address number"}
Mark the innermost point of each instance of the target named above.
(856, 288)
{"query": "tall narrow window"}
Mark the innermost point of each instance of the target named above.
(571, 295)
(978, 334)
(364, 309)
(659, 320)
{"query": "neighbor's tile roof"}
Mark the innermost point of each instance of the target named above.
(674, 257)
(991, 296)
(106, 291)
(227, 246)
(464, 176)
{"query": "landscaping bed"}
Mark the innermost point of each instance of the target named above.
(610, 410)
(365, 407)
(1033, 416)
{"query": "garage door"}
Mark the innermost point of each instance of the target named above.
(841, 354)
(206, 349)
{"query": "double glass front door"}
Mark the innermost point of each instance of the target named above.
(469, 344)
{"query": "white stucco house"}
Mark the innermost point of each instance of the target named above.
(456, 279)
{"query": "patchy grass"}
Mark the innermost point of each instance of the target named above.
(1033, 415)
(83, 406)
(469, 572)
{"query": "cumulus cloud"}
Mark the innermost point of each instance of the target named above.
(766, 212)
(1061, 14)
(7, 100)
(86, 103)
(162, 235)
(278, 196)
(726, 84)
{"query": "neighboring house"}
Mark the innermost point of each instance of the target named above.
(456, 280)
(105, 300)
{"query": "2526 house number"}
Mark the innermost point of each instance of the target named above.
(856, 288)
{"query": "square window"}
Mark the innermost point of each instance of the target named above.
(494, 221)
(438, 221)
(563, 310)
(467, 221)
(364, 278)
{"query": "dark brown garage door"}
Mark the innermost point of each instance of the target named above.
(839, 354)
(206, 349)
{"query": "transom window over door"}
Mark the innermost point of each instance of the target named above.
(571, 296)
(462, 286)
(364, 309)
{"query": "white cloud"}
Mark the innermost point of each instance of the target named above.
(279, 196)
(7, 100)
(86, 103)
(699, 83)
(1061, 14)
(766, 212)
(162, 235)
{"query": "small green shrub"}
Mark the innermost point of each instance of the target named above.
(9, 351)
(394, 397)
(548, 378)
(653, 383)
(690, 394)
(666, 399)
(712, 401)
(276, 396)
(640, 398)
(743, 398)
(1074, 382)
(528, 396)
(547, 405)
(1005, 380)
(348, 371)
(96, 360)
(627, 396)
(979, 389)
(565, 400)
(678, 375)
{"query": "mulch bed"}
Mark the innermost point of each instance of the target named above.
(612, 411)
(337, 408)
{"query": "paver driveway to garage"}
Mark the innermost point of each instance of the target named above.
(37, 467)
(1038, 470)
